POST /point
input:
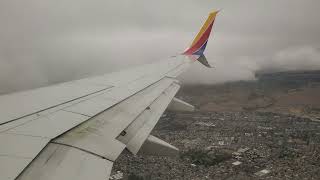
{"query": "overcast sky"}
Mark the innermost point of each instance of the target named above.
(50, 41)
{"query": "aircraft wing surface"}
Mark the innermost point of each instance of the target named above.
(76, 130)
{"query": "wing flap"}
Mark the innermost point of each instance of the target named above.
(11, 167)
(95, 143)
(136, 136)
(64, 162)
(113, 121)
(16, 152)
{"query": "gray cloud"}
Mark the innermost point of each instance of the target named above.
(45, 42)
(294, 58)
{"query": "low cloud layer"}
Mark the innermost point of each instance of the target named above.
(294, 58)
(245, 67)
(46, 42)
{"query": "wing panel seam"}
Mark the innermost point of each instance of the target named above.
(86, 151)
(55, 106)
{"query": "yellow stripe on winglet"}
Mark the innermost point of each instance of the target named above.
(205, 26)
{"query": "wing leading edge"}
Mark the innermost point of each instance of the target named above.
(76, 130)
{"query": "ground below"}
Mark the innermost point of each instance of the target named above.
(265, 129)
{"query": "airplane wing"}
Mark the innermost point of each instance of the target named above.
(76, 130)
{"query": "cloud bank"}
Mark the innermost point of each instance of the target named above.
(46, 42)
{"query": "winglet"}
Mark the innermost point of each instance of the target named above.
(200, 42)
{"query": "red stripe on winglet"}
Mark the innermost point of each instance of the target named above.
(201, 41)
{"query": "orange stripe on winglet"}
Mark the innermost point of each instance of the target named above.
(206, 25)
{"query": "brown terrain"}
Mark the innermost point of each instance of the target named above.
(263, 129)
(296, 93)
